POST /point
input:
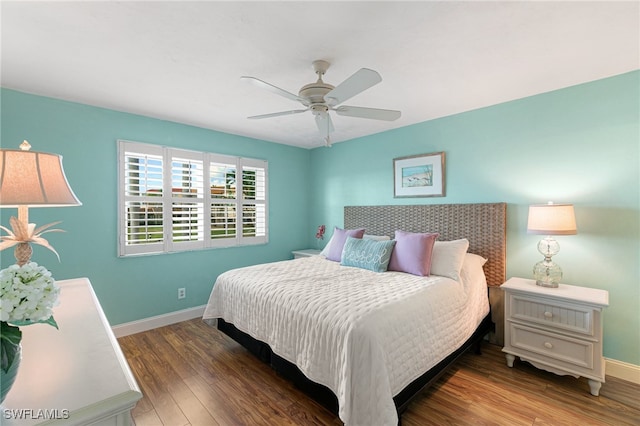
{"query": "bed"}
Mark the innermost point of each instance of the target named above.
(364, 343)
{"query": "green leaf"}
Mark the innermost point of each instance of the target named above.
(10, 337)
(52, 322)
(49, 321)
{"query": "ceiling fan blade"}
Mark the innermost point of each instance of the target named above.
(360, 81)
(325, 126)
(278, 114)
(274, 89)
(373, 113)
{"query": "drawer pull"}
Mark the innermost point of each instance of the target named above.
(548, 315)
(548, 345)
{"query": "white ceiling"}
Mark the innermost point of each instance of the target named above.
(181, 61)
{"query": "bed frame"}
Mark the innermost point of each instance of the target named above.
(484, 225)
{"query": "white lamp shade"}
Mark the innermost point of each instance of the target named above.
(552, 219)
(34, 179)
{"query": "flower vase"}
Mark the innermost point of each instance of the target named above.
(7, 379)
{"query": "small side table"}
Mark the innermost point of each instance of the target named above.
(556, 329)
(297, 254)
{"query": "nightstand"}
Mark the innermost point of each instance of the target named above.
(297, 254)
(555, 329)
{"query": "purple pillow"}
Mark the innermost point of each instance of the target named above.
(339, 238)
(412, 253)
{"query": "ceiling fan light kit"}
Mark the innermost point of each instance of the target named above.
(321, 97)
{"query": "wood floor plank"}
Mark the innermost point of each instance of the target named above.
(170, 351)
(304, 412)
(163, 378)
(215, 403)
(620, 390)
(168, 410)
(190, 373)
(147, 380)
(239, 390)
(190, 405)
(150, 418)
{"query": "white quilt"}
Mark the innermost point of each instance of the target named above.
(364, 335)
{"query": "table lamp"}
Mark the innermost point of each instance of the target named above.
(550, 219)
(31, 179)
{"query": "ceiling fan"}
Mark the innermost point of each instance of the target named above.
(321, 97)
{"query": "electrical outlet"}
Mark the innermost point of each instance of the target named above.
(182, 293)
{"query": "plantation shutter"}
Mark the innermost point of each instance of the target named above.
(223, 205)
(186, 189)
(142, 210)
(254, 200)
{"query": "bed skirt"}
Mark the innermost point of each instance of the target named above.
(323, 394)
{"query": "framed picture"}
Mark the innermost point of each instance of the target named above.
(419, 176)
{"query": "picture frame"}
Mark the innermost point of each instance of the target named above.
(420, 175)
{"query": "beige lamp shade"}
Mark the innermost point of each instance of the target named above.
(552, 219)
(34, 179)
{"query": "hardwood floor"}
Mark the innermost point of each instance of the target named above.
(191, 374)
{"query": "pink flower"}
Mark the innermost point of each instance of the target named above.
(320, 232)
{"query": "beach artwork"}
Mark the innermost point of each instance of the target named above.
(417, 176)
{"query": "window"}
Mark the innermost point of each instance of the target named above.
(174, 200)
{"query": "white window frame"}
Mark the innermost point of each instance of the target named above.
(203, 198)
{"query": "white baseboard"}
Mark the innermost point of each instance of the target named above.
(623, 370)
(150, 323)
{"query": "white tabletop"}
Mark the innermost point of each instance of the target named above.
(592, 296)
(78, 371)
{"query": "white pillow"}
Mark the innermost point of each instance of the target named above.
(376, 237)
(326, 248)
(472, 269)
(448, 257)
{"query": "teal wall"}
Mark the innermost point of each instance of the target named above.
(577, 145)
(138, 287)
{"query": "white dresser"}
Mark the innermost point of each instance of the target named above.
(76, 375)
(556, 329)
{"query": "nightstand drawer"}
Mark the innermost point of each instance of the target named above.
(552, 313)
(550, 345)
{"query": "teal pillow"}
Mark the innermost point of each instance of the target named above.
(367, 254)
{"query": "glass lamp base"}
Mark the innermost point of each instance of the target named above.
(547, 273)
(547, 284)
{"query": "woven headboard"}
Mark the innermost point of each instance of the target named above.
(484, 225)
